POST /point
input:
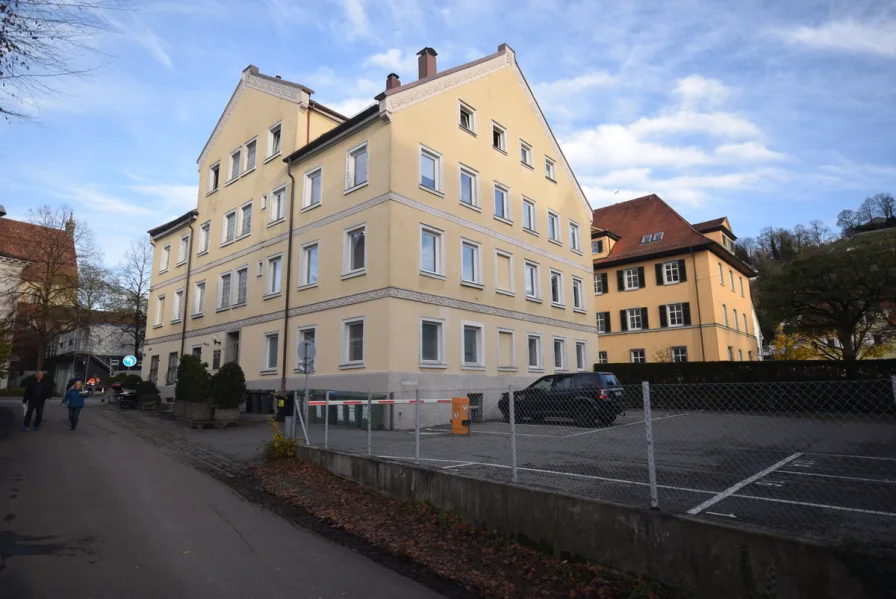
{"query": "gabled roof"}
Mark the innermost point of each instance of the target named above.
(647, 215)
(716, 224)
(173, 224)
(17, 239)
(334, 133)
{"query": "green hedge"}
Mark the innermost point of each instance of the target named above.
(750, 372)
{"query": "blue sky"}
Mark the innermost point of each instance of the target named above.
(771, 113)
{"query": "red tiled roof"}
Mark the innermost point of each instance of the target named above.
(710, 224)
(27, 241)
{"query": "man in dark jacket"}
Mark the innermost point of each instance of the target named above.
(37, 393)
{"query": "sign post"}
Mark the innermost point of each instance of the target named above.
(129, 361)
(307, 352)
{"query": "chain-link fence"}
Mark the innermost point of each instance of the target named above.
(810, 457)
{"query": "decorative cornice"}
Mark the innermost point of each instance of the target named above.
(283, 91)
(225, 116)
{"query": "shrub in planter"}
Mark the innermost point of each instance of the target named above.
(228, 391)
(192, 388)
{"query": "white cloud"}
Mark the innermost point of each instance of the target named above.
(396, 61)
(877, 38)
(356, 18)
(748, 151)
(152, 42)
(556, 90)
(620, 146)
(684, 190)
(177, 197)
(717, 124)
(350, 106)
(696, 91)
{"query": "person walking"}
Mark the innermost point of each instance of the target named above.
(37, 393)
(75, 402)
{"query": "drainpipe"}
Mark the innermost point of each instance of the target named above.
(292, 193)
(183, 331)
(699, 312)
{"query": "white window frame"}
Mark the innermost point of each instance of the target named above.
(177, 306)
(539, 353)
(211, 179)
(603, 357)
(241, 222)
(269, 278)
(578, 294)
(725, 314)
(347, 271)
(630, 315)
(480, 350)
(643, 356)
(599, 243)
(669, 312)
(682, 351)
(498, 289)
(461, 107)
(205, 235)
(304, 265)
(599, 282)
(503, 137)
(529, 207)
(183, 249)
(220, 298)
(235, 286)
(439, 250)
(248, 168)
(731, 276)
(441, 360)
(275, 129)
(277, 216)
(730, 353)
(477, 266)
(350, 154)
(584, 345)
(740, 355)
(474, 175)
(575, 237)
(601, 322)
(564, 359)
(527, 148)
(741, 280)
(266, 353)
(300, 334)
(670, 268)
(308, 188)
(721, 275)
(198, 299)
(536, 296)
(233, 175)
(554, 217)
(165, 259)
(746, 328)
(560, 302)
(513, 365)
(507, 216)
(550, 169)
(344, 361)
(631, 280)
(736, 321)
(224, 240)
(436, 157)
(160, 311)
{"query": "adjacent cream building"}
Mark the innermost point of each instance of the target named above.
(435, 240)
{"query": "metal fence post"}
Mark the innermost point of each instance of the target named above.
(369, 420)
(511, 403)
(893, 382)
(417, 427)
(648, 430)
(327, 420)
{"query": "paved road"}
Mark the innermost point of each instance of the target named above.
(100, 513)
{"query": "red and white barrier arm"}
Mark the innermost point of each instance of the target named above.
(363, 402)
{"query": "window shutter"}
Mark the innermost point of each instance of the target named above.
(620, 279)
(641, 281)
(682, 271)
(623, 320)
(603, 284)
(664, 322)
(644, 324)
(686, 312)
(607, 327)
(659, 274)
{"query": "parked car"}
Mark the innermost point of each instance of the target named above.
(585, 397)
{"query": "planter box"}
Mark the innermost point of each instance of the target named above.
(149, 401)
(227, 414)
(180, 409)
(198, 411)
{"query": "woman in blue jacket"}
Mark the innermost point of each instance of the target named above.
(75, 402)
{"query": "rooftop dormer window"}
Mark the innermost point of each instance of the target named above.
(651, 238)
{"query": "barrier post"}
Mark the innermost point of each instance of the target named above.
(511, 402)
(417, 427)
(369, 420)
(327, 421)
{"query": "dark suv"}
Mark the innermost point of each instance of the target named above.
(585, 397)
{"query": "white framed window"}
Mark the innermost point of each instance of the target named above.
(225, 290)
(736, 321)
(354, 251)
(578, 294)
(581, 355)
(502, 202)
(160, 310)
(432, 342)
(602, 318)
(740, 355)
(164, 258)
(308, 266)
(177, 305)
(731, 276)
(198, 298)
(533, 349)
(356, 165)
(725, 314)
(533, 290)
(270, 352)
(353, 341)
(599, 287)
(311, 190)
(530, 223)
(214, 177)
(242, 285)
(251, 146)
(680, 354)
(550, 169)
(741, 280)
(431, 254)
(235, 164)
(560, 353)
(557, 288)
(228, 231)
(675, 315)
(634, 319)
(506, 349)
(632, 280)
(245, 219)
(637, 356)
(469, 187)
(472, 345)
(671, 273)
(721, 275)
(205, 230)
(504, 272)
(746, 329)
(304, 333)
(602, 357)
(259, 269)
(597, 246)
(499, 137)
(430, 169)
(278, 204)
(553, 226)
(525, 153)
(466, 117)
(575, 241)
(730, 354)
(183, 249)
(471, 262)
(274, 140)
(274, 275)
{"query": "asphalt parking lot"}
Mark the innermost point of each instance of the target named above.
(831, 476)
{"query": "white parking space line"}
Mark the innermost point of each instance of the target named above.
(737, 487)
(837, 476)
(858, 457)
(818, 505)
(459, 465)
(610, 428)
(518, 434)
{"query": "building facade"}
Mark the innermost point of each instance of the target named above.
(433, 241)
(669, 291)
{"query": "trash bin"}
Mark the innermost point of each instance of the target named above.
(475, 406)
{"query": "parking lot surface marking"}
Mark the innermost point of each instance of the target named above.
(737, 487)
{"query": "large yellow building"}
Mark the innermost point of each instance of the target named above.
(668, 290)
(434, 240)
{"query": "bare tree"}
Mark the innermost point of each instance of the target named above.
(848, 220)
(662, 354)
(885, 203)
(867, 211)
(130, 296)
(819, 233)
(41, 42)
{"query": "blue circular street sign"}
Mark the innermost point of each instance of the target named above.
(129, 361)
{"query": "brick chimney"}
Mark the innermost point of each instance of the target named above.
(392, 81)
(426, 64)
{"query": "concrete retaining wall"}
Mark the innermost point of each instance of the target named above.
(710, 560)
